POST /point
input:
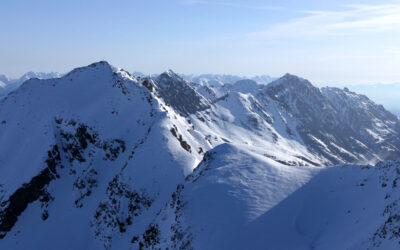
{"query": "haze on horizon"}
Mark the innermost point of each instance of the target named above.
(346, 42)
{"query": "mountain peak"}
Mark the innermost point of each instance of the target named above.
(290, 80)
(291, 77)
(178, 93)
(288, 75)
(170, 73)
(101, 66)
(170, 77)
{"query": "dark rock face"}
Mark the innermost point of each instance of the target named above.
(179, 235)
(32, 191)
(183, 143)
(390, 228)
(118, 211)
(150, 236)
(177, 93)
(75, 140)
(76, 137)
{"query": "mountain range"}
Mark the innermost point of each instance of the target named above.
(219, 80)
(385, 94)
(103, 159)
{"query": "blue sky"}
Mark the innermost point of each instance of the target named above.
(325, 41)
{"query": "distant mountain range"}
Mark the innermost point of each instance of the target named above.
(10, 84)
(101, 159)
(219, 80)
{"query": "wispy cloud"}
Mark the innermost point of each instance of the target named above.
(355, 19)
(229, 4)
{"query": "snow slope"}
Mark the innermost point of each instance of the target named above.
(236, 199)
(231, 188)
(101, 159)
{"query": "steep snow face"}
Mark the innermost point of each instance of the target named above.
(236, 199)
(230, 189)
(79, 151)
(343, 207)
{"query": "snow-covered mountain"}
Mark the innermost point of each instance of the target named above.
(101, 159)
(8, 84)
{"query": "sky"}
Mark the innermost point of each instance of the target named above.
(327, 42)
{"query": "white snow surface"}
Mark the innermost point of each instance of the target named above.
(127, 167)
